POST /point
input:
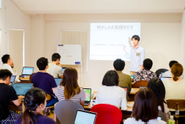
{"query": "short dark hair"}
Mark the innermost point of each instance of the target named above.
(42, 63)
(172, 62)
(147, 64)
(119, 64)
(4, 74)
(110, 78)
(136, 37)
(5, 58)
(157, 86)
(55, 56)
(145, 105)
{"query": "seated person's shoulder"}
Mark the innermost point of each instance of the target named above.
(46, 120)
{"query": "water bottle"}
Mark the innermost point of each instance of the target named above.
(171, 120)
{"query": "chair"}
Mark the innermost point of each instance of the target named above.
(142, 83)
(107, 114)
(178, 104)
(31, 77)
(163, 116)
(65, 111)
(159, 71)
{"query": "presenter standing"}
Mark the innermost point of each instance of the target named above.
(137, 55)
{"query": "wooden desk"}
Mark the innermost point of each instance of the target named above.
(134, 90)
(132, 94)
(15, 108)
(125, 113)
(24, 80)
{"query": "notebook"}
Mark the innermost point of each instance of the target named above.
(12, 80)
(85, 117)
(58, 80)
(22, 88)
(27, 71)
(87, 96)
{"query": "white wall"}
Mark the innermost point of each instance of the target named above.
(183, 38)
(11, 17)
(160, 36)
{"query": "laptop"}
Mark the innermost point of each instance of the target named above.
(164, 78)
(27, 71)
(12, 80)
(126, 89)
(22, 88)
(85, 117)
(63, 69)
(58, 80)
(87, 96)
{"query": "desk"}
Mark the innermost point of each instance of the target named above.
(125, 113)
(15, 108)
(132, 94)
(24, 80)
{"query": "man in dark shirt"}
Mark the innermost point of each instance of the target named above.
(45, 81)
(7, 94)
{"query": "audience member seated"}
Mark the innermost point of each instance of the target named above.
(35, 103)
(168, 73)
(175, 86)
(7, 94)
(145, 73)
(55, 68)
(157, 86)
(45, 81)
(8, 64)
(145, 109)
(69, 88)
(124, 79)
(110, 92)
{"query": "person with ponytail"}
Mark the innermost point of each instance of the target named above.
(175, 86)
(35, 103)
(157, 86)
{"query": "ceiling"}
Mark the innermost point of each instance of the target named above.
(100, 6)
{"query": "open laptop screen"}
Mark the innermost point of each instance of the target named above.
(13, 78)
(87, 94)
(22, 88)
(58, 80)
(27, 70)
(85, 117)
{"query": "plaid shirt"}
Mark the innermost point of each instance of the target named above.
(144, 75)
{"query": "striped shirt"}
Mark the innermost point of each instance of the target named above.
(76, 98)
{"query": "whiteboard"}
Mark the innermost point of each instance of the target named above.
(70, 54)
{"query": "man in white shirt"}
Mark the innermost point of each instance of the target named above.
(136, 55)
(55, 68)
(8, 64)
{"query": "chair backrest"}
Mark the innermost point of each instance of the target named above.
(162, 115)
(31, 77)
(107, 114)
(159, 71)
(142, 83)
(1, 112)
(65, 111)
(173, 103)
